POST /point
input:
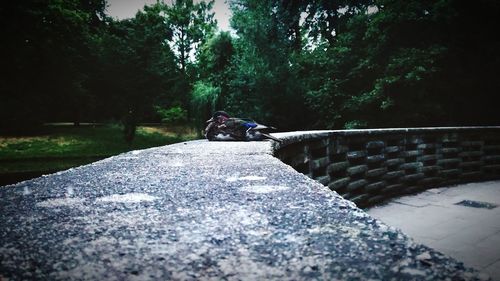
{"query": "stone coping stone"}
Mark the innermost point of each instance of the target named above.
(201, 210)
(296, 136)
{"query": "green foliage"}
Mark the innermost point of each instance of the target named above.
(191, 23)
(292, 64)
(43, 56)
(205, 96)
(266, 82)
(216, 54)
(355, 124)
(204, 100)
(172, 116)
(216, 73)
(66, 60)
(396, 66)
(134, 53)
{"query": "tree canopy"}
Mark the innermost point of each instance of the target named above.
(293, 64)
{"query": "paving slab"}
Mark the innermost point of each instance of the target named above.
(494, 268)
(439, 230)
(471, 235)
(413, 201)
(201, 211)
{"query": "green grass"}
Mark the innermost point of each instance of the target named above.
(61, 147)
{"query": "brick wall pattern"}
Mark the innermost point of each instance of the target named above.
(370, 166)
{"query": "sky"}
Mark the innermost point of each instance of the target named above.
(122, 9)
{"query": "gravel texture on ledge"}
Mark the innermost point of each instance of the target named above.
(200, 211)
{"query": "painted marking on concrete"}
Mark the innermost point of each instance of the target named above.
(264, 188)
(26, 191)
(60, 202)
(176, 163)
(246, 178)
(127, 198)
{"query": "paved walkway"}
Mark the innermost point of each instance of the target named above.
(471, 235)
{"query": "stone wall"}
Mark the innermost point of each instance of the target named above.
(369, 166)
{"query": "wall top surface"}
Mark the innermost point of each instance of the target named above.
(289, 137)
(200, 210)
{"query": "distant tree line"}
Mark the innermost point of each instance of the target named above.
(293, 64)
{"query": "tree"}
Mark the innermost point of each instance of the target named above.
(215, 66)
(191, 23)
(43, 55)
(136, 68)
(293, 64)
(408, 63)
(264, 84)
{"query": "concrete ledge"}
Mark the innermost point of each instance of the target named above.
(304, 135)
(200, 210)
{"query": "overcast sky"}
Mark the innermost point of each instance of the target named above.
(123, 9)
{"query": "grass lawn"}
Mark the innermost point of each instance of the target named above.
(59, 147)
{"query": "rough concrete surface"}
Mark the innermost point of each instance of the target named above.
(200, 211)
